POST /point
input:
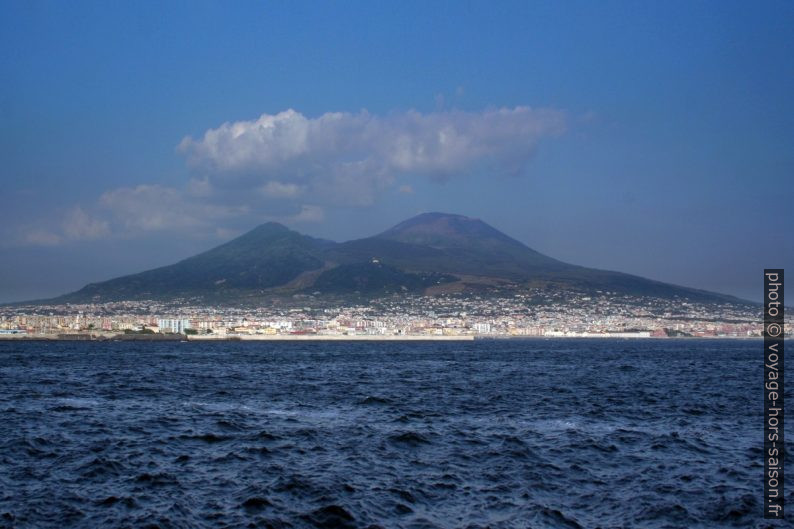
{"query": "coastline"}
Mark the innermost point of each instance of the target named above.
(332, 338)
(256, 338)
(335, 338)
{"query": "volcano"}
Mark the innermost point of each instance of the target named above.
(432, 253)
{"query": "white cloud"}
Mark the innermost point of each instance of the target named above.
(291, 168)
(159, 208)
(309, 213)
(348, 157)
(75, 225)
(78, 225)
(40, 237)
(199, 187)
(150, 208)
(276, 189)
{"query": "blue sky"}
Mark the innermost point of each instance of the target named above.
(650, 138)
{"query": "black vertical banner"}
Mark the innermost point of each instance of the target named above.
(774, 446)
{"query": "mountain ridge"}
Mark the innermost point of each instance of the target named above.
(430, 253)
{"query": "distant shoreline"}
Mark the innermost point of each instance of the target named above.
(210, 338)
(334, 338)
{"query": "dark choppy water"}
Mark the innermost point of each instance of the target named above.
(557, 434)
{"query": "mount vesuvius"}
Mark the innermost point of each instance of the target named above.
(432, 253)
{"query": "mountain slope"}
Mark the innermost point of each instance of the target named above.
(432, 252)
(445, 231)
(267, 256)
(459, 245)
(468, 247)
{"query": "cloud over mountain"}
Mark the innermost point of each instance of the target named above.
(155, 207)
(349, 157)
(73, 225)
(292, 168)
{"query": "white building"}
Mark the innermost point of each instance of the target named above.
(173, 326)
(482, 328)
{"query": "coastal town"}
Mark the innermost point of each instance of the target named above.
(539, 313)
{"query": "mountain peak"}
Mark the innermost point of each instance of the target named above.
(432, 250)
(270, 227)
(445, 230)
(433, 217)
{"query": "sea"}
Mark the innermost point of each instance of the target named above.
(538, 433)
